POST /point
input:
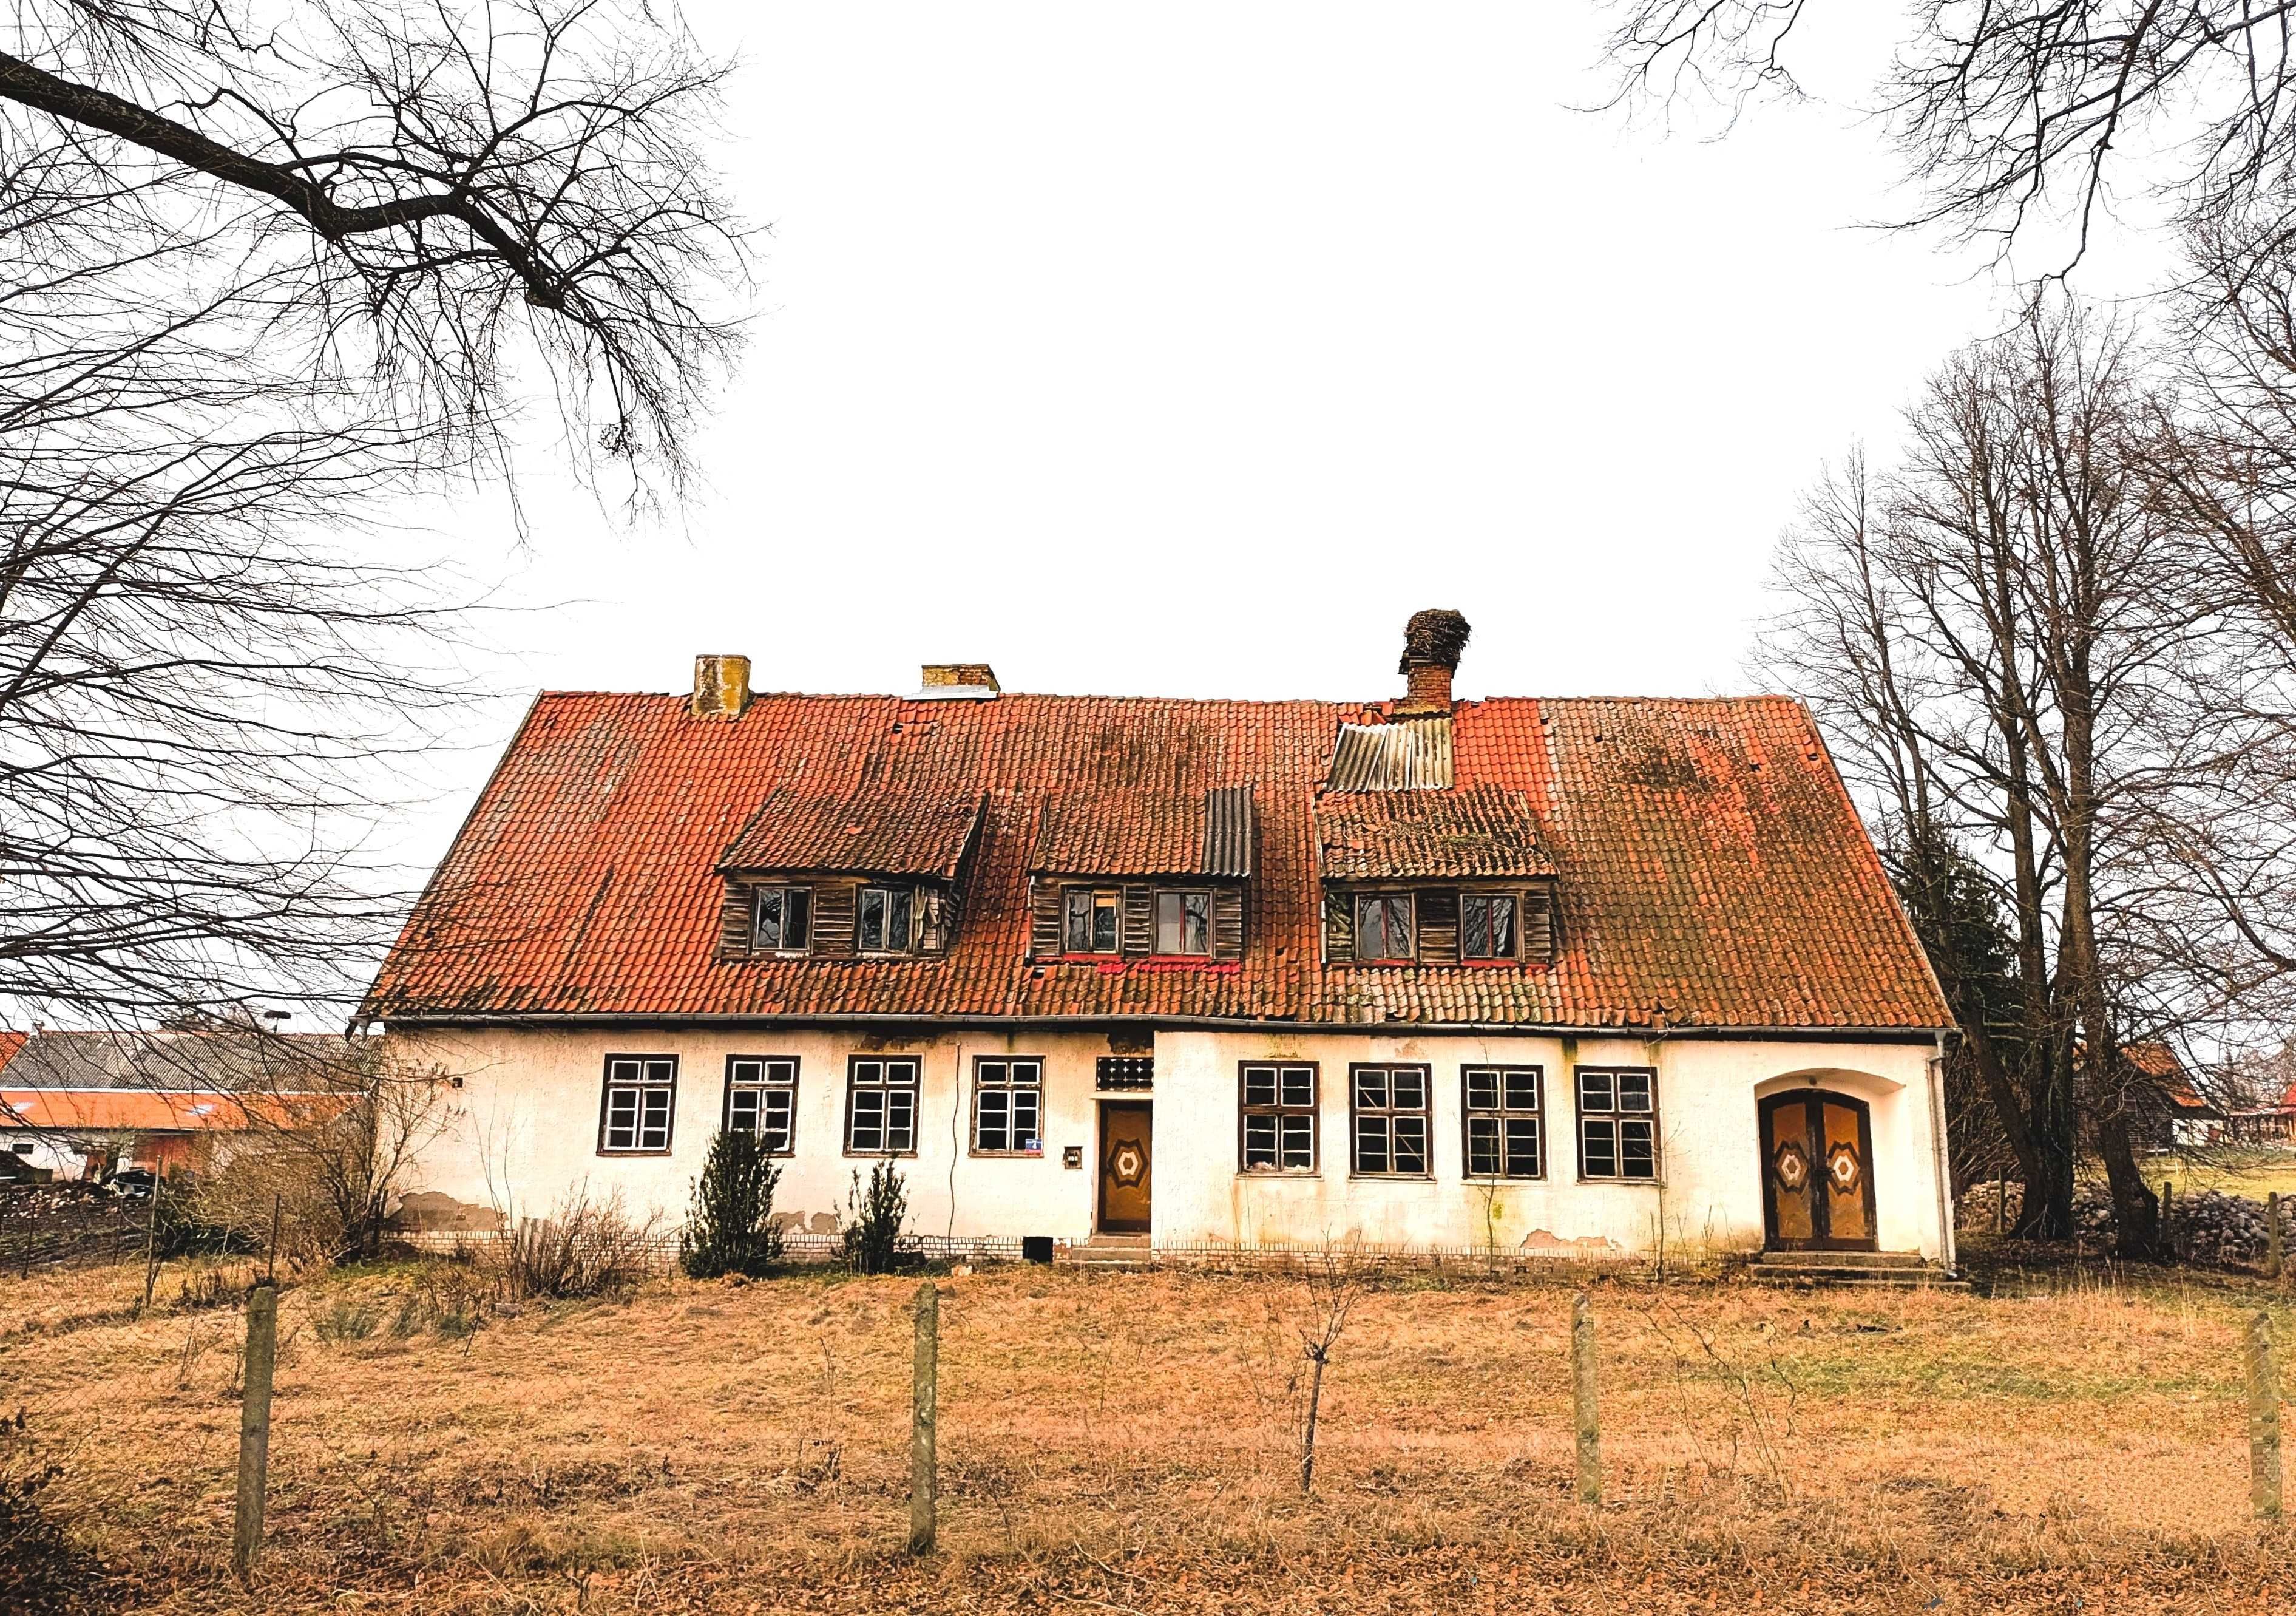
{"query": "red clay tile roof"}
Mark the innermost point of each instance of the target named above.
(75, 1110)
(1396, 836)
(1146, 833)
(1710, 868)
(879, 830)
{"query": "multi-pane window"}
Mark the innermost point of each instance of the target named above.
(881, 1106)
(1279, 1118)
(1091, 926)
(1507, 1137)
(1184, 922)
(1618, 1123)
(761, 1099)
(886, 922)
(639, 1102)
(1390, 1104)
(1008, 1105)
(1383, 926)
(1486, 925)
(781, 919)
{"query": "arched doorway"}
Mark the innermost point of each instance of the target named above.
(1817, 1171)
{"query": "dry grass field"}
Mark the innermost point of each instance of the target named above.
(1128, 1443)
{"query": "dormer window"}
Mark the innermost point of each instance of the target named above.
(1386, 927)
(1094, 920)
(1184, 922)
(781, 919)
(1486, 925)
(886, 921)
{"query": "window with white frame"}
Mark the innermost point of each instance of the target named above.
(1093, 923)
(1008, 1106)
(761, 1099)
(1618, 1123)
(1507, 1133)
(1390, 1107)
(1277, 1124)
(1385, 926)
(780, 920)
(638, 1105)
(885, 920)
(1184, 922)
(881, 1105)
(1486, 925)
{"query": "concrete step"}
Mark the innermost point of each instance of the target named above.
(1850, 1276)
(1108, 1251)
(1841, 1260)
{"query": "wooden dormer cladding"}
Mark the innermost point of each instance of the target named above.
(914, 849)
(1135, 852)
(1438, 852)
(1437, 940)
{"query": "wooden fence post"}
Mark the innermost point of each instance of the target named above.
(255, 1426)
(1582, 1389)
(151, 1243)
(925, 1474)
(2272, 1235)
(2263, 1421)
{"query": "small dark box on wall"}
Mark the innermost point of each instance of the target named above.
(1036, 1248)
(1071, 1155)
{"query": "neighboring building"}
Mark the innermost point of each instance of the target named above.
(2273, 1124)
(85, 1133)
(80, 1104)
(1416, 974)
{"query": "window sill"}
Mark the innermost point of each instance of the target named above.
(981, 1155)
(854, 1155)
(1631, 1184)
(1356, 1177)
(1500, 1181)
(615, 1155)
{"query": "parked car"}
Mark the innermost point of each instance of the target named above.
(132, 1183)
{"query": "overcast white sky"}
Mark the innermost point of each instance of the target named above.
(1185, 349)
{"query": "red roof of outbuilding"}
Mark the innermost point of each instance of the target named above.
(72, 1110)
(1711, 869)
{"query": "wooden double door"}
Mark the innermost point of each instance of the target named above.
(1817, 1171)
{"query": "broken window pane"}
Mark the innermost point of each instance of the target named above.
(1383, 926)
(1486, 926)
(1279, 1118)
(1504, 1129)
(884, 922)
(1390, 1120)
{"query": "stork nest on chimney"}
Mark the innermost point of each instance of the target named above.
(1435, 637)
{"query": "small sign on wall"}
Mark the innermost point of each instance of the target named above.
(1072, 1155)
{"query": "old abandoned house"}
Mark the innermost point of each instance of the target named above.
(1515, 973)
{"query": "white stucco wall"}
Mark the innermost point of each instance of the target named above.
(522, 1132)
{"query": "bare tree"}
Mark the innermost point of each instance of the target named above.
(269, 273)
(2011, 113)
(2009, 639)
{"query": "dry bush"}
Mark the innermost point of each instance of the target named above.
(262, 1182)
(585, 1247)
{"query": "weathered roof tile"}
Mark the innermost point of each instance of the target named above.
(1710, 867)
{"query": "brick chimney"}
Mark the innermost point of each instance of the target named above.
(721, 687)
(1431, 644)
(944, 681)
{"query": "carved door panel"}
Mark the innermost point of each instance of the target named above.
(1125, 1146)
(1789, 1188)
(1817, 1172)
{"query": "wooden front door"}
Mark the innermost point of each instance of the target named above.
(1817, 1171)
(1124, 1160)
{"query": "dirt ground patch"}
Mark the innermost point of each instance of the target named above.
(1128, 1442)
